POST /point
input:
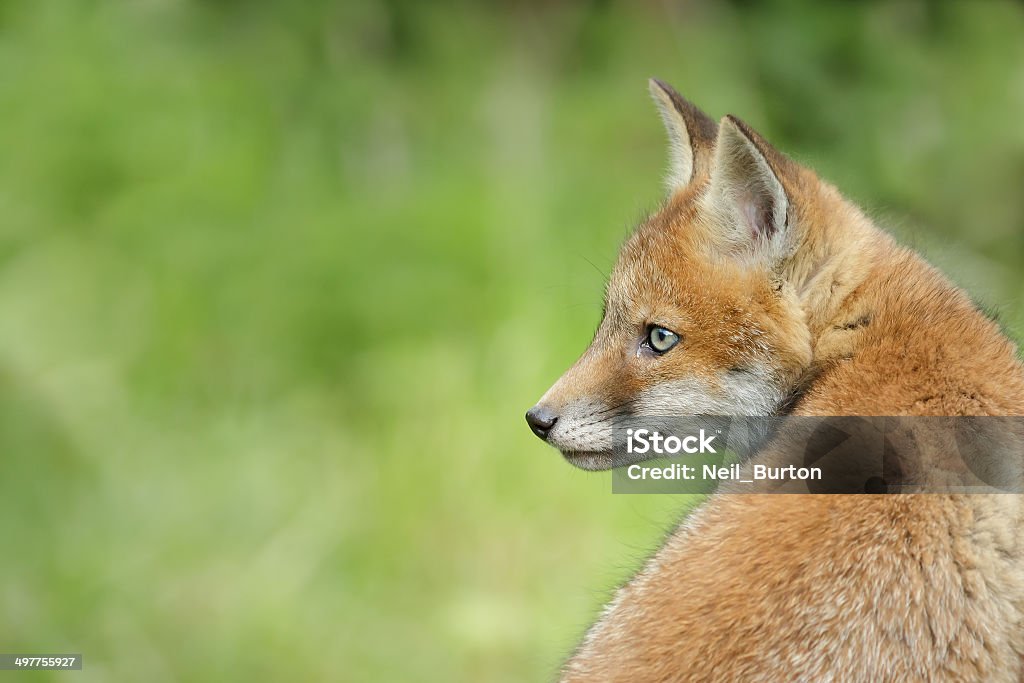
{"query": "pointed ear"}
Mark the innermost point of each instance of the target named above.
(691, 135)
(746, 193)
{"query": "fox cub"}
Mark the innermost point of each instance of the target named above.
(758, 290)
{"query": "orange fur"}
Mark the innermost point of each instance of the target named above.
(771, 587)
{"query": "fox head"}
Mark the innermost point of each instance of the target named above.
(704, 312)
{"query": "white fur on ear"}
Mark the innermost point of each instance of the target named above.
(745, 194)
(680, 149)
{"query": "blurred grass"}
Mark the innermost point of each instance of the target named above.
(278, 280)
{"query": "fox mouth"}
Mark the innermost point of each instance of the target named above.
(592, 461)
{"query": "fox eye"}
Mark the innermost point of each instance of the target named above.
(661, 340)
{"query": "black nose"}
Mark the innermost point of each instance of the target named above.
(541, 420)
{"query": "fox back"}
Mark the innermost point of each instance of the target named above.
(758, 290)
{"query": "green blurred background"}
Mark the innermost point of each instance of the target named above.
(279, 279)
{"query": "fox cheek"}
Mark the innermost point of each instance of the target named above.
(750, 390)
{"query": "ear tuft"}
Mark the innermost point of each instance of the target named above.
(745, 186)
(691, 135)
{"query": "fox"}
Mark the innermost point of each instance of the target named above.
(757, 289)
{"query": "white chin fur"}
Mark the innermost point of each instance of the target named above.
(592, 462)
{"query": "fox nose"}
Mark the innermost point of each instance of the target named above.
(541, 420)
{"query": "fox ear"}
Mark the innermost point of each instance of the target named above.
(746, 193)
(691, 135)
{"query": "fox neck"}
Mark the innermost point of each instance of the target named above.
(838, 250)
(879, 313)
